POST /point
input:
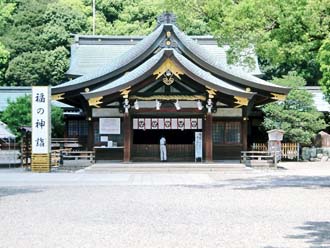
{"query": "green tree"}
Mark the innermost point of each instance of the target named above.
(297, 115)
(57, 119)
(286, 35)
(136, 17)
(324, 60)
(4, 57)
(6, 10)
(38, 37)
(18, 113)
(192, 16)
(38, 68)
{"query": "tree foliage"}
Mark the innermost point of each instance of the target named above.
(324, 60)
(285, 34)
(297, 115)
(38, 68)
(18, 113)
(38, 37)
(4, 57)
(192, 16)
(6, 10)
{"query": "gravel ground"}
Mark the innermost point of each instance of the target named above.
(266, 210)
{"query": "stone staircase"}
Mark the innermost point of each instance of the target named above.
(166, 167)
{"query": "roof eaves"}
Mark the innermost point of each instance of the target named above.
(193, 70)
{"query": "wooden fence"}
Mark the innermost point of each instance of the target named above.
(289, 150)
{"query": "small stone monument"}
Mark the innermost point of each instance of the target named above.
(322, 139)
(275, 138)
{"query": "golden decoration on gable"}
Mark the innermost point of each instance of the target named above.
(241, 101)
(125, 92)
(58, 97)
(211, 92)
(278, 97)
(168, 34)
(168, 65)
(95, 101)
(168, 80)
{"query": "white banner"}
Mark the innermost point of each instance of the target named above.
(109, 125)
(41, 125)
(198, 146)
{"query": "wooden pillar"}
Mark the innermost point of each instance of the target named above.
(127, 138)
(245, 130)
(245, 133)
(90, 138)
(208, 138)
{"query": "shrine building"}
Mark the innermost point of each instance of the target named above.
(132, 90)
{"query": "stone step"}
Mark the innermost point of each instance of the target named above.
(164, 167)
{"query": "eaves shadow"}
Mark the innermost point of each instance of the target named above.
(316, 233)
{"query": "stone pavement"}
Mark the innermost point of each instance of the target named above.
(20, 177)
(286, 208)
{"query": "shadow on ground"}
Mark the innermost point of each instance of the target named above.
(9, 191)
(262, 183)
(306, 182)
(316, 233)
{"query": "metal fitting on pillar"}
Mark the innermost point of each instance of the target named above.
(126, 105)
(209, 105)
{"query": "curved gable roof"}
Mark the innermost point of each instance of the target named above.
(204, 58)
(146, 69)
(140, 61)
(125, 62)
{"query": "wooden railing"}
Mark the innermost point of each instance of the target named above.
(58, 157)
(289, 150)
(79, 155)
(58, 143)
(258, 158)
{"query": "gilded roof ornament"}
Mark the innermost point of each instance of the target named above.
(125, 92)
(279, 97)
(168, 65)
(95, 101)
(241, 101)
(211, 92)
(58, 97)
